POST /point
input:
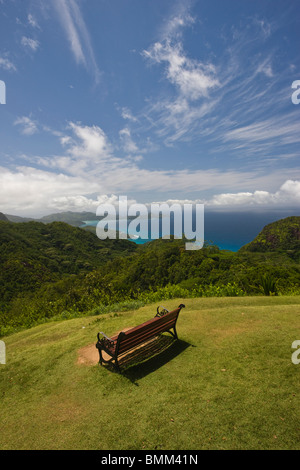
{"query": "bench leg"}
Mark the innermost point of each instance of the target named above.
(100, 356)
(117, 366)
(112, 360)
(173, 333)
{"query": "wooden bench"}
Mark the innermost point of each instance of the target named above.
(114, 347)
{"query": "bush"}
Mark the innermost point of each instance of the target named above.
(268, 284)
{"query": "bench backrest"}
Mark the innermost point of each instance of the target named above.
(139, 334)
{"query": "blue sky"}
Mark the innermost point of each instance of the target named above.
(156, 100)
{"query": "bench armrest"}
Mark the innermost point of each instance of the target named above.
(106, 341)
(162, 312)
(103, 334)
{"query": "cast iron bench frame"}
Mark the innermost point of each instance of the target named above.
(164, 321)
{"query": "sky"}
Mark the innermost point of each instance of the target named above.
(156, 100)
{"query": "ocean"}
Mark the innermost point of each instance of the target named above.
(228, 230)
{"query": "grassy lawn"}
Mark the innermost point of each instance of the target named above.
(228, 383)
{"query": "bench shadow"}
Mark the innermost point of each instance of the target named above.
(144, 360)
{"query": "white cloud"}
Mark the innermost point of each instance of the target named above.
(291, 189)
(30, 191)
(178, 119)
(89, 165)
(78, 36)
(93, 142)
(264, 26)
(288, 195)
(177, 21)
(83, 203)
(87, 151)
(266, 68)
(177, 115)
(32, 44)
(283, 130)
(126, 114)
(29, 127)
(129, 145)
(191, 77)
(7, 65)
(32, 21)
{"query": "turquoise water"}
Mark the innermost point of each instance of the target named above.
(229, 231)
(144, 238)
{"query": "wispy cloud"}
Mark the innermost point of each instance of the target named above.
(127, 114)
(265, 131)
(265, 67)
(128, 144)
(88, 151)
(264, 26)
(28, 126)
(174, 117)
(6, 64)
(78, 36)
(192, 78)
(30, 43)
(272, 139)
(32, 21)
(179, 19)
(225, 102)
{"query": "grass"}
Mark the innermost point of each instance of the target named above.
(229, 383)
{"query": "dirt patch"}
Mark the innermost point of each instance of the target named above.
(88, 355)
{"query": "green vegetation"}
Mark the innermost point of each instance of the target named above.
(58, 271)
(268, 284)
(228, 383)
(33, 253)
(283, 235)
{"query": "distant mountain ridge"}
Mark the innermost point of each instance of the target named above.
(76, 219)
(3, 217)
(230, 231)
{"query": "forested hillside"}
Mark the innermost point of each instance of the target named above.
(55, 269)
(34, 253)
(3, 217)
(282, 235)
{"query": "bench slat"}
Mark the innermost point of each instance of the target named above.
(147, 331)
